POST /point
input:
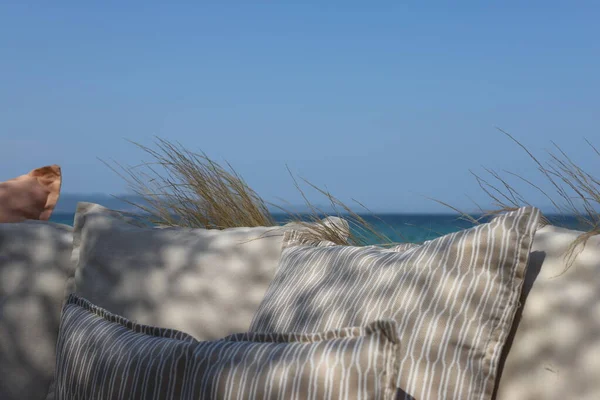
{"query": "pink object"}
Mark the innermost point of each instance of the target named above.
(30, 196)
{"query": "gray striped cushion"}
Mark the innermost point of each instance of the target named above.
(454, 299)
(104, 356)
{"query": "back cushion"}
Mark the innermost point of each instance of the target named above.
(207, 283)
(30, 196)
(554, 352)
(454, 299)
(34, 265)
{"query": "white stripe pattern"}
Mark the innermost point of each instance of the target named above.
(104, 356)
(454, 299)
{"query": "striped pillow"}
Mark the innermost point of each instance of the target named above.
(454, 299)
(104, 356)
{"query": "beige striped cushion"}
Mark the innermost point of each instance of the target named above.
(103, 356)
(454, 299)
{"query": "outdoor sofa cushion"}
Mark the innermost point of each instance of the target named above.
(35, 261)
(554, 348)
(454, 299)
(205, 282)
(104, 356)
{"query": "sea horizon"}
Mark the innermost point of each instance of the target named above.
(398, 227)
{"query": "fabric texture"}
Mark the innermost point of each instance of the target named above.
(104, 356)
(207, 283)
(30, 196)
(554, 350)
(454, 299)
(35, 260)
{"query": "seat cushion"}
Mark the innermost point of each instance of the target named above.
(554, 349)
(35, 261)
(104, 356)
(207, 283)
(454, 299)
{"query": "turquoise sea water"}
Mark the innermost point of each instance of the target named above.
(413, 228)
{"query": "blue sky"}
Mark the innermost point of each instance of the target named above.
(383, 103)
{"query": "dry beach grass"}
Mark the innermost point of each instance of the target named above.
(189, 189)
(182, 188)
(572, 191)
